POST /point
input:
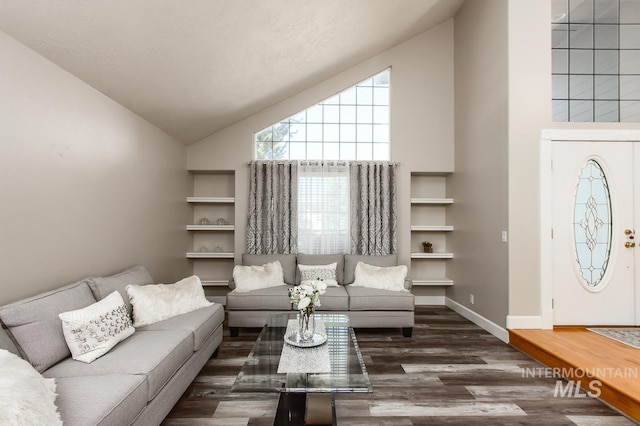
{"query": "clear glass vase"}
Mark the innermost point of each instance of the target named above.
(306, 325)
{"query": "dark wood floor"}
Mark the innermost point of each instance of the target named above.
(450, 372)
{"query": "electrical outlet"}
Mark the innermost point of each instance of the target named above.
(472, 299)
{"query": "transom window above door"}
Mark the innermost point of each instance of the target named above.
(351, 125)
(596, 60)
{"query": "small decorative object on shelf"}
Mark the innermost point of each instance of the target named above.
(218, 249)
(427, 247)
(204, 249)
(221, 221)
(307, 297)
(204, 221)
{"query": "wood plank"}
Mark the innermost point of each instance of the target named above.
(482, 384)
(594, 360)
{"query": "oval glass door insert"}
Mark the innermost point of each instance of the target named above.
(592, 224)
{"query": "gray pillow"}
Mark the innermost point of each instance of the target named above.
(35, 327)
(288, 262)
(351, 260)
(104, 286)
(322, 259)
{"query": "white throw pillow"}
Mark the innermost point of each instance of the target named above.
(157, 302)
(325, 272)
(26, 398)
(249, 278)
(92, 331)
(383, 278)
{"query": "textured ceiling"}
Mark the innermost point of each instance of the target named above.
(194, 67)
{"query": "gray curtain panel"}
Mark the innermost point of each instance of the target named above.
(373, 210)
(273, 207)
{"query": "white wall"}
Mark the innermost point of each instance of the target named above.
(86, 186)
(479, 184)
(421, 122)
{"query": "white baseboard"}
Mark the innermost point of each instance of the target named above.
(493, 328)
(524, 322)
(429, 300)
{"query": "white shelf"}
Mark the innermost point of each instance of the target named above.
(433, 282)
(211, 200)
(210, 227)
(214, 283)
(419, 255)
(209, 255)
(436, 201)
(431, 228)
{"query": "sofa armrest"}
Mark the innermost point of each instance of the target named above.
(408, 284)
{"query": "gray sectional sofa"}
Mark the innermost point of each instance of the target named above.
(366, 307)
(136, 383)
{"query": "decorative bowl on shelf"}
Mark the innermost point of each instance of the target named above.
(204, 221)
(204, 249)
(221, 221)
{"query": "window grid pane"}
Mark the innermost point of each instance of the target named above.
(345, 126)
(596, 60)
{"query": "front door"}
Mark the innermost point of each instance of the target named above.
(593, 233)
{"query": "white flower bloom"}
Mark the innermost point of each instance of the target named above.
(307, 296)
(304, 302)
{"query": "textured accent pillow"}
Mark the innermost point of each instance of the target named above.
(325, 272)
(249, 278)
(383, 278)
(26, 398)
(92, 331)
(156, 302)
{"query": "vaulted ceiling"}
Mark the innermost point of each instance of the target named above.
(194, 67)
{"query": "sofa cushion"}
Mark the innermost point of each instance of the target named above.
(256, 277)
(288, 262)
(92, 331)
(156, 302)
(380, 277)
(36, 328)
(372, 299)
(113, 399)
(334, 299)
(322, 259)
(311, 273)
(104, 286)
(201, 323)
(6, 342)
(351, 260)
(154, 354)
(266, 299)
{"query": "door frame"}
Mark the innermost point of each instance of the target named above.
(549, 136)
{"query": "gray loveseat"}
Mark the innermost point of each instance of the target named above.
(366, 307)
(137, 382)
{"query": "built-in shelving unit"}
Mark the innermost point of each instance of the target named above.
(429, 205)
(212, 230)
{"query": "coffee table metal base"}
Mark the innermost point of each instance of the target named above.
(316, 408)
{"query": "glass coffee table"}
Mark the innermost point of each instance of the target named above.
(305, 397)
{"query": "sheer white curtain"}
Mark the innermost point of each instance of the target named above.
(323, 207)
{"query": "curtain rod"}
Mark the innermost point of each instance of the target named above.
(322, 162)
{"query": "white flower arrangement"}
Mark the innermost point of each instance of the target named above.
(307, 295)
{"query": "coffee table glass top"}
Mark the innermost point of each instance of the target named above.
(348, 372)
